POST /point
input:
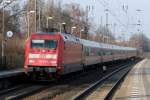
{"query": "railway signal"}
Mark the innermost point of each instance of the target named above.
(9, 34)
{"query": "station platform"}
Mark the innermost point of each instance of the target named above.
(136, 85)
(10, 73)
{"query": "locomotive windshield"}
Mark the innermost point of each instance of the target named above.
(50, 44)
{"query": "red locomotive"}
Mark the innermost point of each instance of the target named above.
(53, 54)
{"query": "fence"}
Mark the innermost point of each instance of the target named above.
(11, 62)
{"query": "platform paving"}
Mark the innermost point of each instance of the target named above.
(136, 85)
(9, 73)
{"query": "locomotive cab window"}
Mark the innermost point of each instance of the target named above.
(49, 44)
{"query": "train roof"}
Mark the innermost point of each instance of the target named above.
(70, 37)
(52, 33)
(105, 45)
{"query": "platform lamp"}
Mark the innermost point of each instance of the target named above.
(82, 30)
(60, 26)
(48, 18)
(72, 29)
(28, 23)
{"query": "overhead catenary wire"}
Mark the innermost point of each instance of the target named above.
(105, 4)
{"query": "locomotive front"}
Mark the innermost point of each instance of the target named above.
(42, 56)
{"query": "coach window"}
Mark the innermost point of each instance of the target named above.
(100, 53)
(119, 51)
(108, 53)
(91, 52)
(87, 51)
(105, 52)
(112, 52)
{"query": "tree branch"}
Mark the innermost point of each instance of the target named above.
(4, 6)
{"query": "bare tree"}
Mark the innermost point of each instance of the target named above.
(140, 42)
(13, 48)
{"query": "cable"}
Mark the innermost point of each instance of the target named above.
(105, 4)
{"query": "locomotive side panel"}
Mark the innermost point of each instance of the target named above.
(72, 57)
(27, 50)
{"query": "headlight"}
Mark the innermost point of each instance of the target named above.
(31, 61)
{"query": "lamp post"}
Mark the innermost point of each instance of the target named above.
(139, 24)
(3, 28)
(82, 30)
(106, 12)
(28, 23)
(72, 29)
(60, 24)
(48, 18)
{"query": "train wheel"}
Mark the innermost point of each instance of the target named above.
(33, 76)
(99, 67)
(56, 76)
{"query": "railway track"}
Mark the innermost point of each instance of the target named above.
(52, 90)
(69, 89)
(104, 88)
(22, 91)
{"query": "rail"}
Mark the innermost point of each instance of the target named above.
(95, 85)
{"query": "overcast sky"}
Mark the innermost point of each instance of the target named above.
(125, 19)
